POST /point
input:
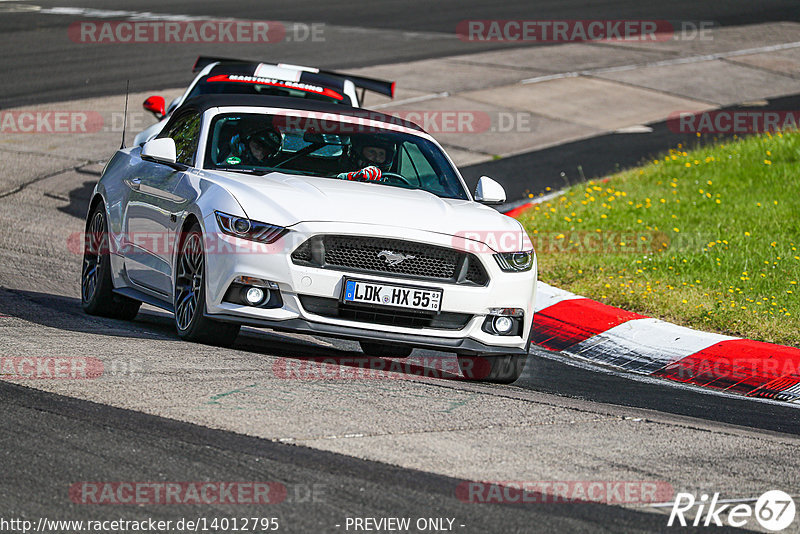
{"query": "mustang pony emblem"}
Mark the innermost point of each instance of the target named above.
(393, 258)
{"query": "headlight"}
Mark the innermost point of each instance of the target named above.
(249, 229)
(515, 262)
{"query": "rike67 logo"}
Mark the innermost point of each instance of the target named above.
(774, 511)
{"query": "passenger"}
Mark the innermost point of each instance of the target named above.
(371, 157)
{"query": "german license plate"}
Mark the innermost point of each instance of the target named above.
(390, 295)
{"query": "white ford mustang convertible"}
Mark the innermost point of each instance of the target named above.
(315, 218)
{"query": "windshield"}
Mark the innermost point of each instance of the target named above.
(325, 147)
(252, 85)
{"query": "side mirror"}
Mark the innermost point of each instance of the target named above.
(161, 150)
(156, 105)
(489, 192)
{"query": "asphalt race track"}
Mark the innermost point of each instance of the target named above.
(323, 487)
(387, 32)
(395, 447)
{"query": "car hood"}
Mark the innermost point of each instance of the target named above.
(287, 199)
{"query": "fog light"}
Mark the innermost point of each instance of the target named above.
(502, 324)
(254, 296)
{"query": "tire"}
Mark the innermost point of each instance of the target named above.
(502, 369)
(97, 289)
(383, 350)
(190, 296)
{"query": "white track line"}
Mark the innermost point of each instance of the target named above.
(412, 100)
(664, 62)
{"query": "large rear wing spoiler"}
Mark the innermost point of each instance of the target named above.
(375, 85)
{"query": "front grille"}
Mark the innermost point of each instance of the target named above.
(328, 307)
(369, 255)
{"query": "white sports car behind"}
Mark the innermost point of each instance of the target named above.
(310, 217)
(236, 76)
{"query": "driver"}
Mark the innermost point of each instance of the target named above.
(256, 147)
(372, 157)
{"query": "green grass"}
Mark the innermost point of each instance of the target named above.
(706, 239)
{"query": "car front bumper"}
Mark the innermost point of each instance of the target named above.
(274, 264)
